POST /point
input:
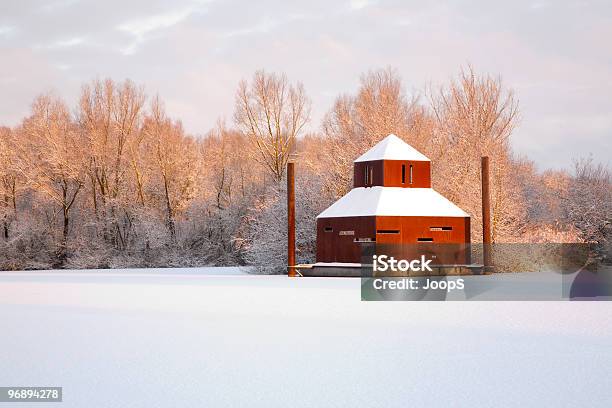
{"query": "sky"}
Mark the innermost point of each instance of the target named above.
(555, 55)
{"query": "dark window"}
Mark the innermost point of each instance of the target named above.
(440, 228)
(368, 175)
(425, 239)
(403, 173)
(411, 174)
(329, 229)
(387, 232)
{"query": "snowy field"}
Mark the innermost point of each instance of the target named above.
(218, 338)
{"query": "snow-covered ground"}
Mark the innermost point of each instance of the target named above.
(216, 337)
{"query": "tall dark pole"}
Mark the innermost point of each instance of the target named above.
(291, 219)
(486, 215)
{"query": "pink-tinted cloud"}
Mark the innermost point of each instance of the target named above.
(553, 54)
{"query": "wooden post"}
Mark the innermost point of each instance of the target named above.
(291, 219)
(486, 215)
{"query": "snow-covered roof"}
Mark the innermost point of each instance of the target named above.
(393, 201)
(392, 148)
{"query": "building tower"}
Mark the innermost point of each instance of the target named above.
(391, 202)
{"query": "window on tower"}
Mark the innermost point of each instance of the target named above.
(403, 173)
(410, 176)
(368, 175)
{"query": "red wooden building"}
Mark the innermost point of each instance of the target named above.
(391, 202)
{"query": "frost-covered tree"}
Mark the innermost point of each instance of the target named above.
(175, 162)
(121, 184)
(272, 113)
(52, 158)
(8, 182)
(588, 202)
(266, 239)
(474, 117)
(110, 117)
(356, 123)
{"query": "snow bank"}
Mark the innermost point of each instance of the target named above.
(169, 338)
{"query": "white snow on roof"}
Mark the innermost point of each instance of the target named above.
(393, 201)
(392, 148)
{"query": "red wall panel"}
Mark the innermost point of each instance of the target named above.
(388, 173)
(421, 174)
(334, 247)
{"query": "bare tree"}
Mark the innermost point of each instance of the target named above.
(128, 103)
(272, 114)
(121, 184)
(176, 163)
(588, 202)
(477, 106)
(356, 123)
(52, 157)
(382, 106)
(95, 119)
(8, 180)
(475, 117)
(110, 117)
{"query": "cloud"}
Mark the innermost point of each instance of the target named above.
(538, 5)
(68, 43)
(263, 26)
(59, 4)
(141, 27)
(194, 53)
(359, 4)
(5, 31)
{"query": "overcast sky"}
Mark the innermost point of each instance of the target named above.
(556, 55)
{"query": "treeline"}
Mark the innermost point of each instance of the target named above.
(116, 182)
